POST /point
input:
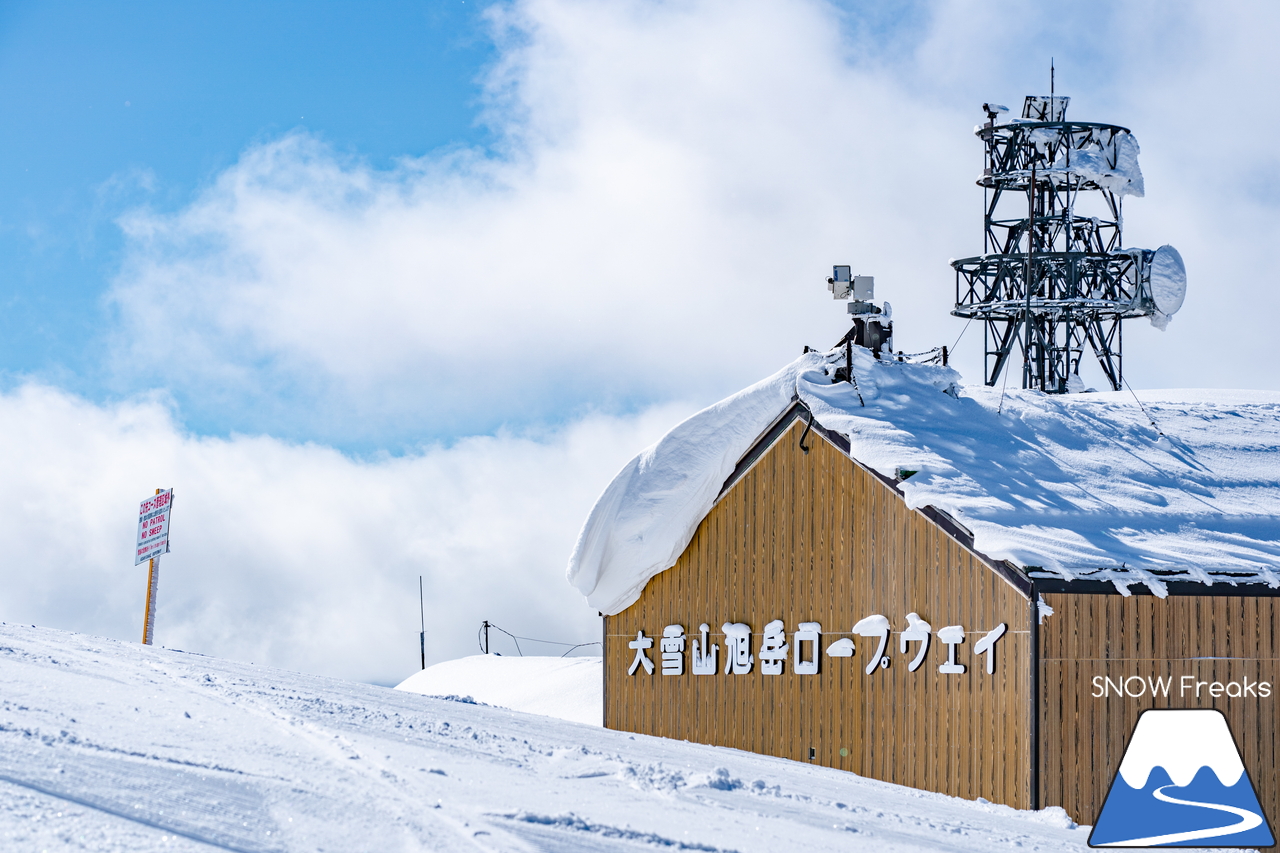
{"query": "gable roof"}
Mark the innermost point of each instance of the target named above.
(1073, 488)
(799, 411)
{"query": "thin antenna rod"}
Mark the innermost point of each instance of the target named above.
(422, 615)
(1051, 80)
(1027, 373)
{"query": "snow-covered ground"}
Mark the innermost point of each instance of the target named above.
(566, 688)
(107, 745)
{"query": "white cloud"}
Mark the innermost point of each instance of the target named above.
(676, 179)
(295, 555)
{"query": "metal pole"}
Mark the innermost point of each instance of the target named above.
(486, 636)
(1034, 680)
(1031, 242)
(422, 613)
(153, 586)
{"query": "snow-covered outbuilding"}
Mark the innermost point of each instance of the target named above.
(960, 589)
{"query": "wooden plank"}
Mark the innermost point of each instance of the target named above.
(1207, 638)
(818, 538)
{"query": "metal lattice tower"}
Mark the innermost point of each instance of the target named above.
(1053, 279)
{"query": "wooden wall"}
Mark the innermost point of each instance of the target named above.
(818, 538)
(1212, 638)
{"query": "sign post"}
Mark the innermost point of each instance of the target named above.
(153, 540)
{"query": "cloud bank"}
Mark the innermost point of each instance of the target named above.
(674, 182)
(294, 554)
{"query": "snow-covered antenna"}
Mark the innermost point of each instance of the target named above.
(872, 324)
(1058, 278)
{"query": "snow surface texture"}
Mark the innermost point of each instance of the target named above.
(566, 688)
(1072, 486)
(112, 746)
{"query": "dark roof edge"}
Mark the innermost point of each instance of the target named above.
(1005, 569)
(1011, 573)
(1137, 587)
(760, 445)
(771, 434)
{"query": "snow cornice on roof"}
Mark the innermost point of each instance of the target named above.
(1078, 490)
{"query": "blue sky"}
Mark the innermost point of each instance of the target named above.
(388, 290)
(109, 107)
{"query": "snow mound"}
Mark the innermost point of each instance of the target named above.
(1070, 486)
(566, 688)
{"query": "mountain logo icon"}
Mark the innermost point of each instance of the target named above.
(1181, 783)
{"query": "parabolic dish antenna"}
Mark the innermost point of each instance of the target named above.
(1168, 280)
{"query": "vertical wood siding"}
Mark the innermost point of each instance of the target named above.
(1210, 638)
(817, 538)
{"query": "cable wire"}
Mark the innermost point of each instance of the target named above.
(517, 640)
(961, 335)
(1005, 384)
(1150, 419)
(580, 645)
(805, 434)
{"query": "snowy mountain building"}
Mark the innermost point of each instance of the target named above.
(955, 589)
(860, 564)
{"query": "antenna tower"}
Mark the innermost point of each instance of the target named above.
(1053, 280)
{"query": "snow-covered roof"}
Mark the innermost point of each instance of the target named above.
(1075, 487)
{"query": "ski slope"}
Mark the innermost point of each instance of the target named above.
(111, 746)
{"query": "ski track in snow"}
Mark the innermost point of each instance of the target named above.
(111, 746)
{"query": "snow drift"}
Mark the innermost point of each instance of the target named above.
(565, 688)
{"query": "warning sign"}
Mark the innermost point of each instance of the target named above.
(153, 526)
